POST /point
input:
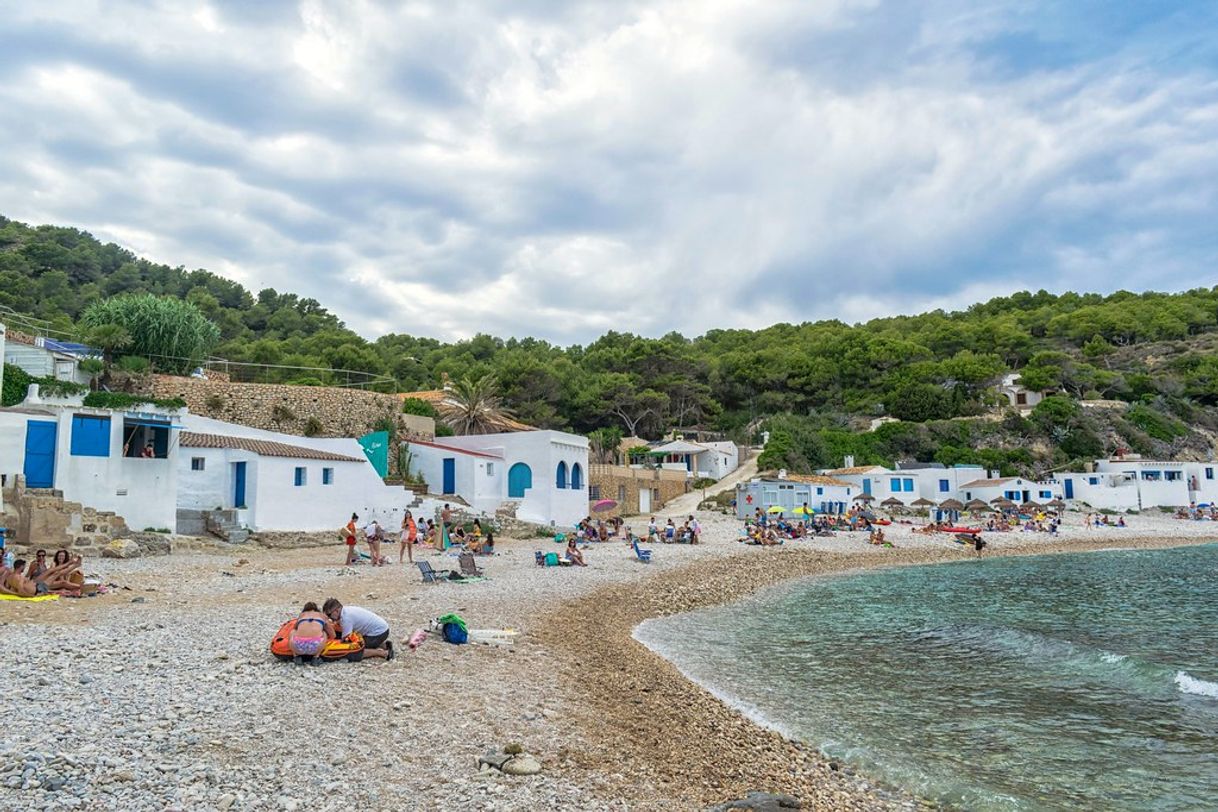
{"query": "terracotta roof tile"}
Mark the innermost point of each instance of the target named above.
(456, 450)
(988, 483)
(857, 469)
(264, 448)
(807, 479)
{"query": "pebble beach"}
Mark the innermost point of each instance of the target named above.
(162, 694)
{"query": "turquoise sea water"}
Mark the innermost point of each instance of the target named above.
(1082, 681)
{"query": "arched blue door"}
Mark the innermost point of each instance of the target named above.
(577, 476)
(560, 478)
(520, 479)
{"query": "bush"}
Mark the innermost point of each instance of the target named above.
(703, 482)
(16, 383)
(1156, 424)
(172, 330)
(136, 364)
(308, 381)
(215, 403)
(419, 407)
(282, 414)
(312, 427)
(122, 400)
(58, 389)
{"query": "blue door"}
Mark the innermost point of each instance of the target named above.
(520, 479)
(40, 454)
(1069, 488)
(450, 475)
(239, 486)
(866, 486)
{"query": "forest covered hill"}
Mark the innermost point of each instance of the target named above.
(815, 385)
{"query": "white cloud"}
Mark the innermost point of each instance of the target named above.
(560, 170)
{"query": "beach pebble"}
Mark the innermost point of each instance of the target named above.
(523, 764)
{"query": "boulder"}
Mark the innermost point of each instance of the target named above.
(758, 802)
(122, 548)
(523, 764)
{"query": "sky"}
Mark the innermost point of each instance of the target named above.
(561, 169)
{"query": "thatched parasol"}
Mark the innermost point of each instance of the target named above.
(951, 504)
(892, 502)
(1056, 504)
(1002, 503)
(864, 497)
(977, 504)
(1030, 505)
(923, 502)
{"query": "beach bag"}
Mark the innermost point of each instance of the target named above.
(453, 633)
(551, 559)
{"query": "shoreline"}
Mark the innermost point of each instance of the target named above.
(724, 751)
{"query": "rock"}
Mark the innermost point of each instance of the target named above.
(85, 679)
(759, 802)
(493, 759)
(523, 764)
(225, 801)
(513, 748)
(122, 548)
(140, 599)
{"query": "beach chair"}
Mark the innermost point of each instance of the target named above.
(468, 567)
(431, 576)
(644, 556)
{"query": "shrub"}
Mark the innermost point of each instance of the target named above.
(308, 381)
(122, 400)
(215, 403)
(58, 389)
(312, 427)
(1154, 423)
(133, 363)
(169, 329)
(419, 407)
(282, 414)
(16, 383)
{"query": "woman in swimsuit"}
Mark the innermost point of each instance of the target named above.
(38, 566)
(410, 534)
(63, 576)
(308, 637)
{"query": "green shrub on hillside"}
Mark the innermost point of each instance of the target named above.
(1154, 423)
(16, 383)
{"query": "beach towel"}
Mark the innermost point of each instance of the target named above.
(35, 599)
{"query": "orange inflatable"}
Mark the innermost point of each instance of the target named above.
(351, 646)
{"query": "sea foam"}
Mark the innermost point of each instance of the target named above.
(1188, 684)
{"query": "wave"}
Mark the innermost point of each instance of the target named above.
(1186, 683)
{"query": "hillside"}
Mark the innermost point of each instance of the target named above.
(814, 384)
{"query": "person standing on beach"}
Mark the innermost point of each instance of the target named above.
(446, 520)
(349, 539)
(372, 532)
(410, 533)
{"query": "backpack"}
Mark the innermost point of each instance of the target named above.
(453, 633)
(551, 559)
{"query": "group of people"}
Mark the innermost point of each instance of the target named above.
(690, 532)
(600, 531)
(1199, 513)
(478, 539)
(315, 627)
(24, 579)
(1102, 520)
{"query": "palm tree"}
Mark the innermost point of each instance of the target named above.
(474, 406)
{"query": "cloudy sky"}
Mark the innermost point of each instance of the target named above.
(560, 168)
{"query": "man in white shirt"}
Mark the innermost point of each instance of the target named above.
(373, 627)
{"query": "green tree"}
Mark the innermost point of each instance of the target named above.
(170, 331)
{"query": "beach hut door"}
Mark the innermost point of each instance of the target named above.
(238, 484)
(866, 486)
(644, 500)
(450, 475)
(39, 466)
(1069, 488)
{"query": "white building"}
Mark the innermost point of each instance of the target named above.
(1102, 491)
(1018, 396)
(96, 456)
(822, 494)
(873, 480)
(708, 459)
(934, 482)
(47, 358)
(1016, 489)
(282, 481)
(544, 472)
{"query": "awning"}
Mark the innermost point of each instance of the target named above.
(150, 423)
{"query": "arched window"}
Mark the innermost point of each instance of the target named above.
(520, 479)
(577, 476)
(561, 477)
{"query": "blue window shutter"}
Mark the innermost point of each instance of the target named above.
(909, 486)
(944, 486)
(90, 436)
(894, 485)
(300, 475)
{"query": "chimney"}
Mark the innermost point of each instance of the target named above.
(782, 473)
(848, 462)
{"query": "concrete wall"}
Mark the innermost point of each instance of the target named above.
(718, 461)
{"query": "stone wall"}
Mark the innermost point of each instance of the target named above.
(40, 519)
(610, 480)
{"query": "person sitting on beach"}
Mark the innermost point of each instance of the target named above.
(38, 566)
(770, 538)
(483, 546)
(63, 576)
(877, 536)
(373, 627)
(459, 537)
(602, 532)
(670, 531)
(19, 585)
(1120, 521)
(429, 538)
(695, 529)
(310, 633)
(653, 532)
(573, 554)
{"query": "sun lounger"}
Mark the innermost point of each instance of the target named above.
(468, 567)
(644, 556)
(431, 576)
